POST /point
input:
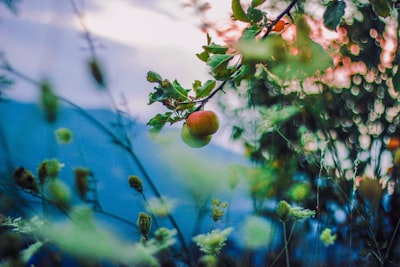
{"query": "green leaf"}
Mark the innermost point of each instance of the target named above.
(196, 85)
(381, 7)
(238, 12)
(255, 15)
(333, 14)
(206, 89)
(219, 66)
(271, 48)
(154, 77)
(215, 49)
(255, 3)
(158, 122)
(179, 92)
(203, 56)
(237, 132)
(242, 73)
(217, 61)
(157, 96)
(208, 39)
(250, 33)
(396, 80)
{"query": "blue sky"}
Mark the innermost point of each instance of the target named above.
(45, 40)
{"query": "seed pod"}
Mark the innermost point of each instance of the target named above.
(81, 181)
(144, 224)
(25, 179)
(136, 183)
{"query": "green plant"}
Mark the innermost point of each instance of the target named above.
(316, 140)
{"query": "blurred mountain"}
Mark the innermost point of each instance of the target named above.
(190, 177)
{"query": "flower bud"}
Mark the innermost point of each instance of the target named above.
(136, 183)
(48, 101)
(283, 210)
(327, 237)
(25, 179)
(144, 224)
(64, 135)
(218, 209)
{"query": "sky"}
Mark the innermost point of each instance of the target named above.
(44, 40)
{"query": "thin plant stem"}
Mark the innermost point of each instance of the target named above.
(283, 249)
(394, 235)
(285, 239)
(112, 215)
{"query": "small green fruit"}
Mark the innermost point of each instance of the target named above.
(202, 123)
(192, 140)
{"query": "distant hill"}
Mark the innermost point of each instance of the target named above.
(190, 176)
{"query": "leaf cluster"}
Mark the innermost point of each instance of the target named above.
(179, 101)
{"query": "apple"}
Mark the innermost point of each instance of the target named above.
(193, 140)
(202, 123)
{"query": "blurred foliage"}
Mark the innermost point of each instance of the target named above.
(11, 5)
(319, 103)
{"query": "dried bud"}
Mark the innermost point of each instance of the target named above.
(81, 181)
(97, 73)
(25, 179)
(136, 183)
(64, 135)
(144, 224)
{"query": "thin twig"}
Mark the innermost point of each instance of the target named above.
(286, 11)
